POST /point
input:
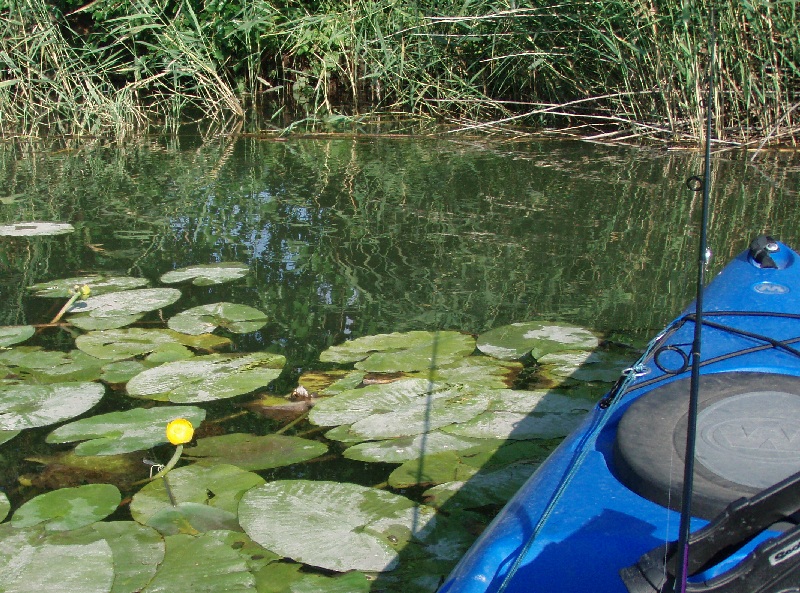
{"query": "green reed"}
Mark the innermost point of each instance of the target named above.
(607, 69)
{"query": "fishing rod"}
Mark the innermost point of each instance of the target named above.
(696, 184)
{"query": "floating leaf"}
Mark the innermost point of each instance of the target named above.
(191, 518)
(484, 488)
(402, 449)
(482, 372)
(397, 352)
(121, 372)
(58, 568)
(86, 322)
(207, 274)
(99, 283)
(239, 319)
(35, 229)
(202, 563)
(48, 366)
(585, 365)
(5, 506)
(127, 302)
(14, 334)
(219, 486)
(68, 508)
(207, 378)
(403, 408)
(26, 406)
(117, 344)
(353, 527)
(252, 452)
(7, 435)
(514, 341)
(352, 582)
(123, 432)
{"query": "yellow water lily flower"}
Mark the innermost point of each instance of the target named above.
(179, 431)
(85, 290)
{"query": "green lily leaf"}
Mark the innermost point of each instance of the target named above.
(402, 449)
(538, 338)
(239, 319)
(35, 229)
(207, 274)
(351, 582)
(137, 550)
(219, 486)
(98, 283)
(353, 527)
(68, 508)
(118, 344)
(86, 322)
(202, 563)
(122, 371)
(482, 372)
(403, 408)
(127, 302)
(585, 365)
(252, 452)
(7, 435)
(123, 432)
(484, 488)
(27, 406)
(399, 352)
(191, 518)
(14, 334)
(207, 378)
(34, 364)
(58, 568)
(5, 506)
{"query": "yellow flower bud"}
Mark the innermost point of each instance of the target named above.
(179, 431)
(85, 290)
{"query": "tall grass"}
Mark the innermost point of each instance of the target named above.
(610, 69)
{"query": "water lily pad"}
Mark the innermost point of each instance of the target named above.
(398, 352)
(123, 432)
(239, 319)
(99, 284)
(7, 435)
(511, 342)
(403, 408)
(35, 229)
(583, 365)
(5, 506)
(351, 582)
(127, 302)
(219, 486)
(402, 449)
(26, 406)
(191, 518)
(14, 334)
(476, 371)
(495, 487)
(118, 344)
(252, 452)
(59, 568)
(207, 378)
(35, 364)
(69, 508)
(207, 274)
(122, 371)
(86, 322)
(353, 527)
(202, 563)
(517, 425)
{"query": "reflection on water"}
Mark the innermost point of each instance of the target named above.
(354, 236)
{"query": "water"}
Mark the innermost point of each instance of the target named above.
(347, 237)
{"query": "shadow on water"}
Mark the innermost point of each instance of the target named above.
(354, 237)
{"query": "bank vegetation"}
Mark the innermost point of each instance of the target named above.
(612, 70)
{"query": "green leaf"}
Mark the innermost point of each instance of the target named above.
(482, 372)
(14, 334)
(26, 406)
(118, 344)
(123, 432)
(7, 435)
(86, 322)
(127, 302)
(203, 563)
(191, 518)
(98, 283)
(585, 365)
(538, 338)
(398, 352)
(69, 508)
(252, 452)
(402, 449)
(207, 274)
(34, 364)
(207, 378)
(35, 229)
(219, 486)
(495, 487)
(5, 506)
(238, 319)
(353, 527)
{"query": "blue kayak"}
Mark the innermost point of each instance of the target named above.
(601, 515)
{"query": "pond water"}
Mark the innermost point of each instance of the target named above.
(346, 237)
